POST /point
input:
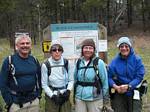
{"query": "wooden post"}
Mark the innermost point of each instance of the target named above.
(103, 36)
(47, 37)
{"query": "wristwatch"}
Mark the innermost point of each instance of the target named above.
(129, 87)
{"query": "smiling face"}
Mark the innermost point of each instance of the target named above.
(88, 52)
(56, 52)
(124, 49)
(23, 46)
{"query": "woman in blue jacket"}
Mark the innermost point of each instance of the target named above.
(90, 87)
(126, 71)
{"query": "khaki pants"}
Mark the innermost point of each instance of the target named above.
(27, 107)
(88, 106)
(50, 106)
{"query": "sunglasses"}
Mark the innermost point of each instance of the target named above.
(59, 50)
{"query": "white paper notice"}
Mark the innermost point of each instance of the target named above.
(68, 45)
(102, 45)
(136, 95)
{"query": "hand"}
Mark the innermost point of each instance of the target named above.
(66, 95)
(117, 88)
(7, 106)
(39, 97)
(58, 99)
(124, 88)
(107, 109)
(107, 105)
(54, 98)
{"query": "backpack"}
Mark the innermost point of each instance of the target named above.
(48, 66)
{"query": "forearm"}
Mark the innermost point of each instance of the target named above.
(70, 85)
(47, 90)
(6, 95)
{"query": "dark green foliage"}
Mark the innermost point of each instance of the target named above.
(24, 14)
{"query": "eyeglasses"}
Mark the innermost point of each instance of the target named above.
(88, 47)
(59, 50)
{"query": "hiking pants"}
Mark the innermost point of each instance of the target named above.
(122, 103)
(137, 105)
(27, 107)
(50, 106)
(88, 106)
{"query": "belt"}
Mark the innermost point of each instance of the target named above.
(57, 88)
(86, 83)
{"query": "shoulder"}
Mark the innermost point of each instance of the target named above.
(79, 59)
(45, 62)
(6, 60)
(99, 61)
(11, 57)
(65, 60)
(33, 58)
(115, 59)
(135, 57)
(138, 59)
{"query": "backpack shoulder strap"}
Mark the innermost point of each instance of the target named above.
(66, 64)
(37, 61)
(37, 77)
(95, 65)
(10, 62)
(11, 66)
(78, 64)
(12, 69)
(95, 61)
(48, 66)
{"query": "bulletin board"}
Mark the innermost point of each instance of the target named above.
(71, 36)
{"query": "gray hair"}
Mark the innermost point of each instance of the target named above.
(18, 38)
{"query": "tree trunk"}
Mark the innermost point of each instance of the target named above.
(143, 15)
(108, 19)
(129, 12)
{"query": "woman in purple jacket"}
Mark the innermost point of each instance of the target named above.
(126, 71)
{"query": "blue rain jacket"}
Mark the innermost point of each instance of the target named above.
(127, 71)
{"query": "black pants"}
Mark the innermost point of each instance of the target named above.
(122, 103)
(137, 105)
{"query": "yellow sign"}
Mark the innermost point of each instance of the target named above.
(46, 46)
